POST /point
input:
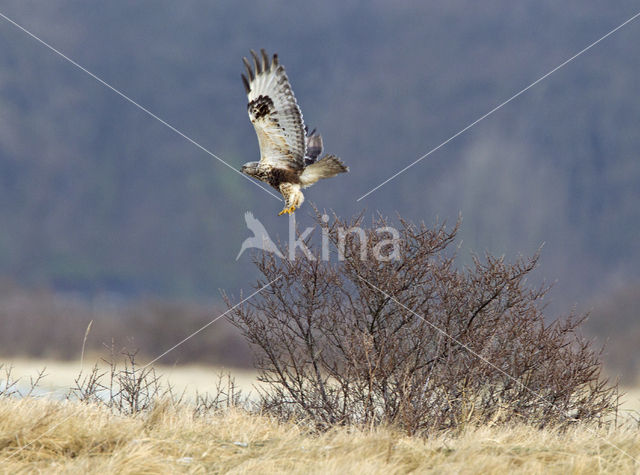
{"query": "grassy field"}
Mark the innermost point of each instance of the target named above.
(49, 435)
(52, 436)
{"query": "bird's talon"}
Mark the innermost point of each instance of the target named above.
(287, 211)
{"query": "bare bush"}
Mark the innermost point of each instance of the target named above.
(415, 341)
(10, 386)
(226, 396)
(128, 388)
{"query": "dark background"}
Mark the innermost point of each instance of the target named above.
(100, 202)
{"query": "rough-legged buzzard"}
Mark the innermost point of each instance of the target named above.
(288, 152)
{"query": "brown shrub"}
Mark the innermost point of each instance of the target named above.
(415, 341)
(129, 388)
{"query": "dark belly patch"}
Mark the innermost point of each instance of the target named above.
(277, 176)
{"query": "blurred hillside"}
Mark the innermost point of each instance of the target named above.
(41, 324)
(96, 196)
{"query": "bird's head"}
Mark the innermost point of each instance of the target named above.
(250, 168)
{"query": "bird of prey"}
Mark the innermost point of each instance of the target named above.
(288, 152)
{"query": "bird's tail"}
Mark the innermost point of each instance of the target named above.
(326, 167)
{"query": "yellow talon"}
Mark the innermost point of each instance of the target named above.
(287, 211)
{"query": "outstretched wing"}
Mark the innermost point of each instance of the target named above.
(274, 112)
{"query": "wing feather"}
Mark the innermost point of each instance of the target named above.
(249, 71)
(274, 112)
(314, 147)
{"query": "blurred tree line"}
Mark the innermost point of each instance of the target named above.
(615, 320)
(96, 196)
(46, 325)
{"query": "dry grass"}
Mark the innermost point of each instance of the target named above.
(48, 436)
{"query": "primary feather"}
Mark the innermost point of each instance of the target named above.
(314, 147)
